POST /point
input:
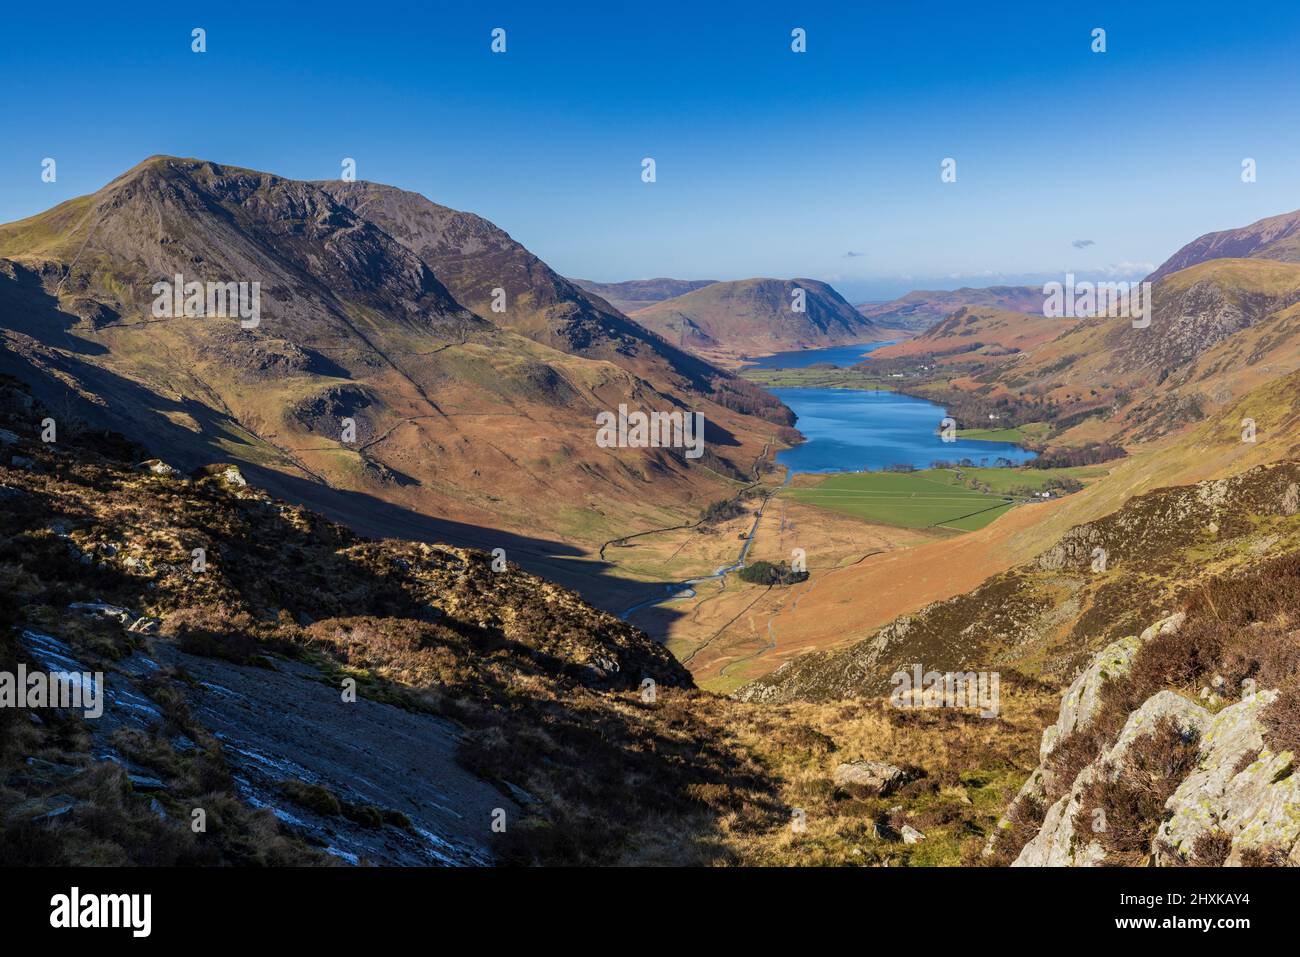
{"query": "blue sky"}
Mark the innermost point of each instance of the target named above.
(768, 162)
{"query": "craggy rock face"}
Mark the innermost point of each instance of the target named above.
(1236, 790)
(354, 322)
(1240, 788)
(475, 258)
(1061, 842)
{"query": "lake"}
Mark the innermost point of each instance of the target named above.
(842, 356)
(858, 430)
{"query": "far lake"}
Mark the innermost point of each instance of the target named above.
(857, 430)
(843, 356)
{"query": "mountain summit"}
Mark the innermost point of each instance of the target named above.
(377, 382)
(754, 316)
(1277, 238)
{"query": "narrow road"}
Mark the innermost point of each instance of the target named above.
(675, 591)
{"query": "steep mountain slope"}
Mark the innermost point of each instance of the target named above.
(1277, 238)
(627, 297)
(922, 308)
(1215, 328)
(474, 258)
(478, 426)
(481, 693)
(754, 316)
(1098, 582)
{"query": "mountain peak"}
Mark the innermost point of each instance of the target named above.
(756, 315)
(1275, 237)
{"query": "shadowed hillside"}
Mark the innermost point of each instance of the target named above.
(480, 693)
(452, 416)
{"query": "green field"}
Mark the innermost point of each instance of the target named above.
(1036, 432)
(1019, 480)
(912, 500)
(932, 497)
(992, 435)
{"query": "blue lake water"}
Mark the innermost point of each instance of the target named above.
(856, 430)
(837, 356)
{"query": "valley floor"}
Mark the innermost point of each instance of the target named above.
(862, 574)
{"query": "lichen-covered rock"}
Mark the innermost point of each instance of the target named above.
(160, 468)
(226, 473)
(232, 476)
(1239, 788)
(1057, 844)
(1080, 702)
(1079, 706)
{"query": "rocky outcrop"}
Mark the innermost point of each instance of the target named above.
(1083, 697)
(1059, 842)
(1237, 791)
(1239, 788)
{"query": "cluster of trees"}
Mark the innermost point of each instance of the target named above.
(721, 511)
(767, 573)
(742, 396)
(1063, 484)
(973, 411)
(1090, 454)
(967, 463)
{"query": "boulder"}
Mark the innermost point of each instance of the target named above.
(158, 467)
(225, 472)
(232, 476)
(878, 777)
